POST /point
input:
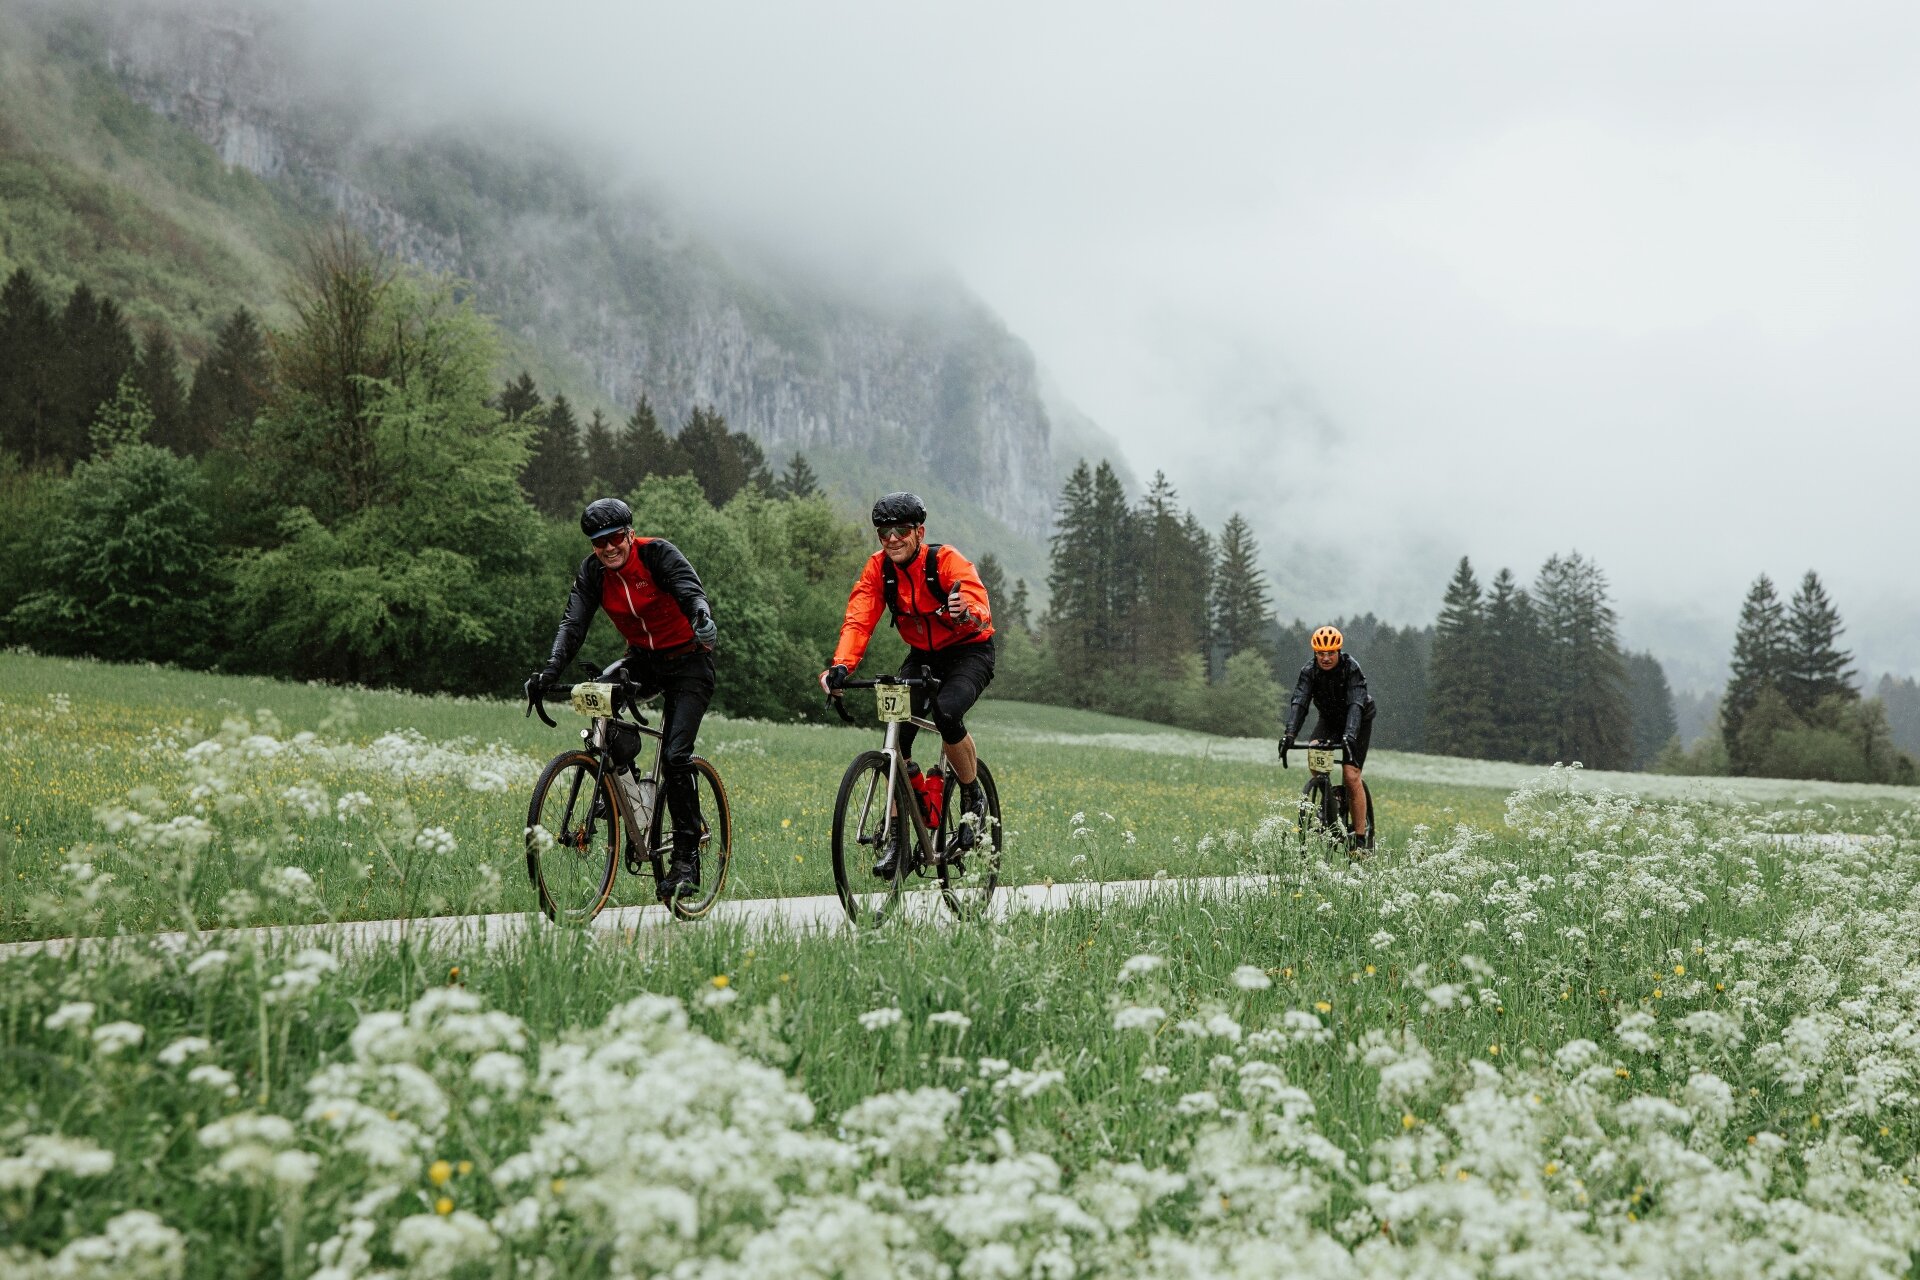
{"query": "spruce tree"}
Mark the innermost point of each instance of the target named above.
(1242, 605)
(1654, 726)
(555, 475)
(1760, 658)
(647, 450)
(1459, 716)
(1591, 715)
(97, 348)
(1072, 595)
(600, 449)
(799, 480)
(1516, 679)
(157, 373)
(29, 351)
(993, 577)
(1171, 617)
(1817, 668)
(1018, 611)
(724, 462)
(1116, 582)
(230, 386)
(519, 400)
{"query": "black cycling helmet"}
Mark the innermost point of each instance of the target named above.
(604, 515)
(899, 508)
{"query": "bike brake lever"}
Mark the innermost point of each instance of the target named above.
(534, 704)
(840, 705)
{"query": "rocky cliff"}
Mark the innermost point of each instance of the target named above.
(602, 279)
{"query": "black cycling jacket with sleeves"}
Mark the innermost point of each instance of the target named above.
(1339, 695)
(669, 571)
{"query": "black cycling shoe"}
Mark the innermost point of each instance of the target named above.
(889, 858)
(967, 828)
(682, 879)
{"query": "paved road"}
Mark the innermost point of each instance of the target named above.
(798, 915)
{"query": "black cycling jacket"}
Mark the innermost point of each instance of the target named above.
(672, 573)
(1339, 695)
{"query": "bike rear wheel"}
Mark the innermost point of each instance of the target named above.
(716, 840)
(573, 838)
(967, 878)
(860, 820)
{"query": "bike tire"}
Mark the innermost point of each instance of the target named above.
(859, 817)
(716, 839)
(572, 851)
(967, 892)
(1313, 820)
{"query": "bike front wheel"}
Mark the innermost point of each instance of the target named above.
(968, 876)
(716, 839)
(1315, 820)
(860, 823)
(573, 838)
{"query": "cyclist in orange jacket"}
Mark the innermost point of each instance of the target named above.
(940, 607)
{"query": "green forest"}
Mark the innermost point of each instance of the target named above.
(359, 496)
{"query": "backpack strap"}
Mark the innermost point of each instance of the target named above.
(890, 580)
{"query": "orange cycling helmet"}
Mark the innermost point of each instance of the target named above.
(1327, 640)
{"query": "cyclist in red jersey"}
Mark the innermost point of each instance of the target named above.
(942, 612)
(656, 602)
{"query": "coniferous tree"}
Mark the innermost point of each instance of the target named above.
(1171, 618)
(98, 349)
(519, 400)
(994, 578)
(1516, 679)
(230, 386)
(600, 449)
(1073, 600)
(1760, 658)
(555, 473)
(1591, 716)
(1459, 714)
(1116, 579)
(29, 352)
(1817, 668)
(647, 450)
(1654, 726)
(157, 373)
(1242, 605)
(724, 462)
(799, 480)
(1018, 611)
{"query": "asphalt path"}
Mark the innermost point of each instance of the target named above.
(822, 914)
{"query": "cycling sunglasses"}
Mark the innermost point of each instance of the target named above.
(613, 539)
(892, 532)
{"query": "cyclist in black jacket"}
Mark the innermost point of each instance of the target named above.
(1334, 686)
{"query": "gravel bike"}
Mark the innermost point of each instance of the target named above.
(1324, 812)
(592, 805)
(880, 795)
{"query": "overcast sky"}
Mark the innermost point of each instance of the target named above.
(1494, 279)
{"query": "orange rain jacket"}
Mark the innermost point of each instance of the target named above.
(923, 621)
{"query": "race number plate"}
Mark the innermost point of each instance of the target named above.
(594, 700)
(894, 701)
(1320, 761)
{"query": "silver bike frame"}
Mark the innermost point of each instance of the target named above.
(896, 760)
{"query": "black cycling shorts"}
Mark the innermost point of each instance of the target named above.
(965, 670)
(1361, 740)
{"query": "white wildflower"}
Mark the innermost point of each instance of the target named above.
(436, 842)
(1140, 966)
(1136, 1017)
(1203, 1103)
(216, 1078)
(73, 1014)
(110, 1038)
(180, 1050)
(882, 1018)
(950, 1018)
(209, 961)
(1251, 978)
(352, 805)
(1155, 1073)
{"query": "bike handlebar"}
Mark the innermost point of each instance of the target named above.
(626, 692)
(1315, 744)
(926, 680)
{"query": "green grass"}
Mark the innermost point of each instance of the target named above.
(123, 730)
(1473, 1031)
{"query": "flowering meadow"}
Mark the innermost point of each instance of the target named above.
(1582, 1032)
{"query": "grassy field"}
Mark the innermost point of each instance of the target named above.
(1563, 1030)
(340, 786)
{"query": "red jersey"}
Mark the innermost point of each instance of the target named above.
(922, 621)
